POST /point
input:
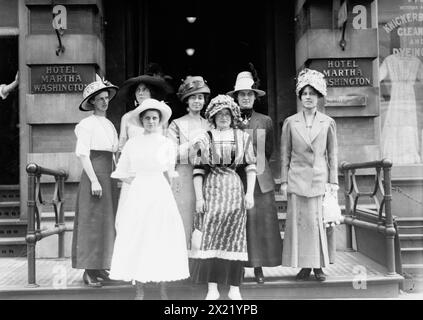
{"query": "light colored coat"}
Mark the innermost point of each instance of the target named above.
(309, 158)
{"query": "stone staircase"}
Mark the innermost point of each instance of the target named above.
(410, 230)
(411, 236)
(12, 229)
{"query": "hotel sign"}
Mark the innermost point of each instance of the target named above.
(346, 101)
(345, 72)
(68, 78)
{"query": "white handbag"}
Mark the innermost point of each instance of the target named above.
(331, 210)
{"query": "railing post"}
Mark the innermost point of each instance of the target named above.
(31, 240)
(61, 235)
(348, 227)
(389, 227)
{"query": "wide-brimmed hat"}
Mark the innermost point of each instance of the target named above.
(245, 81)
(313, 78)
(221, 102)
(92, 90)
(192, 85)
(162, 107)
(127, 90)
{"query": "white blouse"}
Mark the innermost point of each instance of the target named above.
(159, 155)
(95, 133)
(3, 95)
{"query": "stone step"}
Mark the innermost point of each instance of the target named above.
(381, 287)
(410, 229)
(413, 269)
(9, 210)
(411, 240)
(12, 247)
(12, 228)
(9, 192)
(412, 255)
(409, 221)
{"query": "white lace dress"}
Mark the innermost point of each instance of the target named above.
(400, 142)
(150, 241)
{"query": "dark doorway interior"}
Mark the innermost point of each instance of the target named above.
(226, 36)
(9, 113)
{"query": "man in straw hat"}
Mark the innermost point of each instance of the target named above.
(263, 237)
(94, 234)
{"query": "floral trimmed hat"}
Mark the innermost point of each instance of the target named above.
(313, 78)
(93, 89)
(221, 102)
(192, 85)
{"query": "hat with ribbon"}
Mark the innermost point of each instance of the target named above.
(221, 102)
(94, 88)
(245, 81)
(192, 85)
(313, 78)
(163, 108)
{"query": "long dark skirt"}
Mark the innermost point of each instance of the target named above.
(94, 226)
(221, 271)
(264, 241)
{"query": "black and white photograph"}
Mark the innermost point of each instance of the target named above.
(196, 150)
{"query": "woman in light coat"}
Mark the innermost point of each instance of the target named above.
(309, 166)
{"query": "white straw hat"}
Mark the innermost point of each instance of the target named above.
(92, 90)
(245, 81)
(162, 107)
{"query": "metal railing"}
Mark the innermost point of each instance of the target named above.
(380, 195)
(35, 208)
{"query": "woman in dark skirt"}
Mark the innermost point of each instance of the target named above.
(97, 141)
(220, 199)
(263, 236)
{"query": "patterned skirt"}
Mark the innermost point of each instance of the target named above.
(223, 248)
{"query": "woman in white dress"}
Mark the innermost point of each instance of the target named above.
(400, 141)
(194, 91)
(134, 91)
(150, 241)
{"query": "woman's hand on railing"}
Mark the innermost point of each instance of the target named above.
(96, 189)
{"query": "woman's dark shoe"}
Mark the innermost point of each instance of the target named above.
(319, 275)
(304, 274)
(258, 272)
(104, 275)
(91, 280)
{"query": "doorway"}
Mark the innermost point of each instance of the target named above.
(225, 37)
(9, 114)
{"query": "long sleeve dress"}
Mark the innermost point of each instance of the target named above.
(183, 132)
(400, 137)
(309, 162)
(223, 249)
(94, 233)
(150, 240)
(263, 235)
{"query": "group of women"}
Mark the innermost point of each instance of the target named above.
(197, 197)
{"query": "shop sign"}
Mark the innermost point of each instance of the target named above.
(345, 72)
(346, 101)
(68, 78)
